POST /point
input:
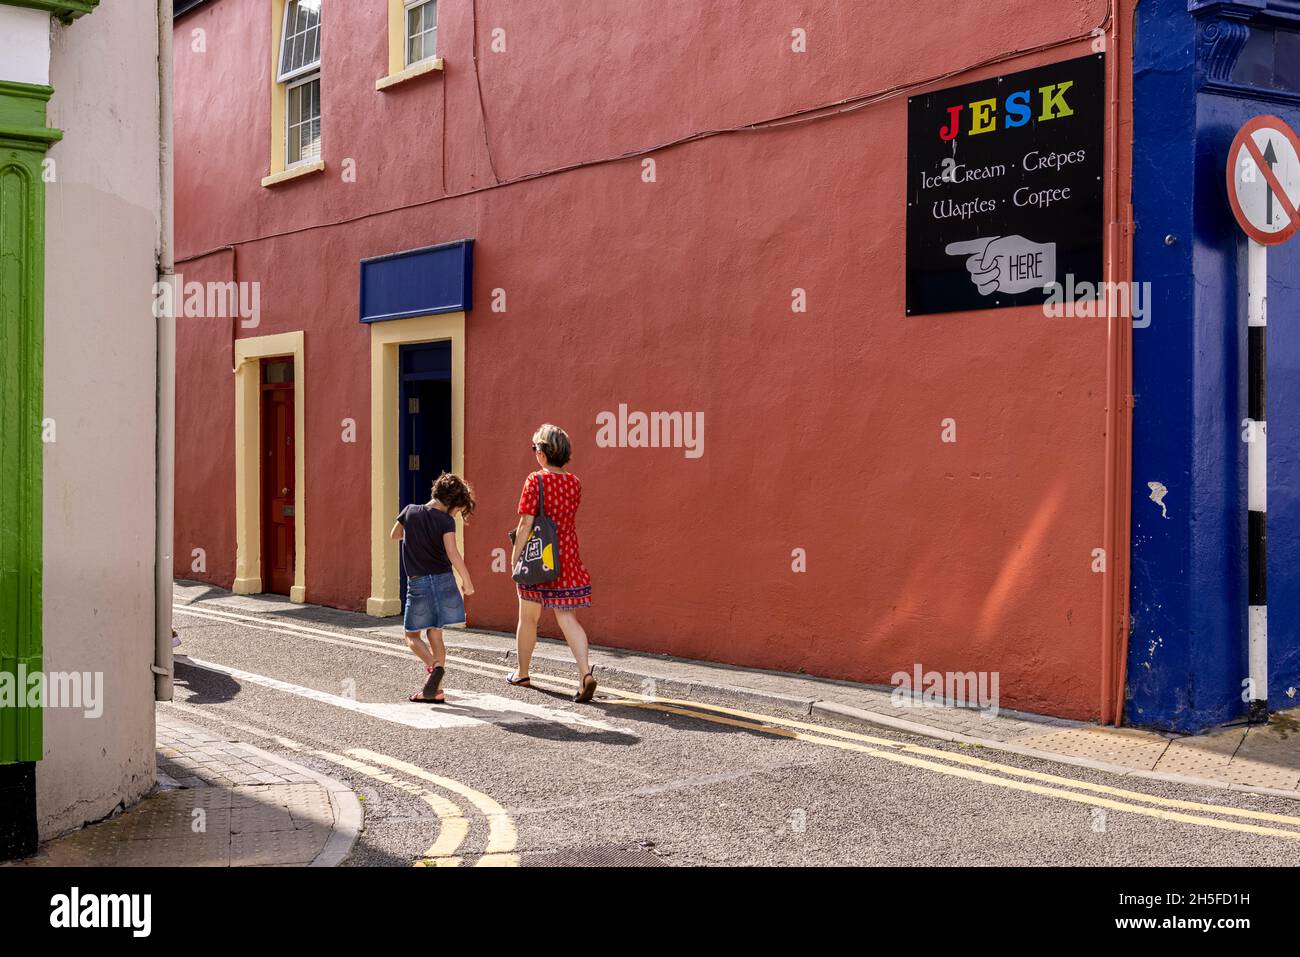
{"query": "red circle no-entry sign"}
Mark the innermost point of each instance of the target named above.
(1264, 180)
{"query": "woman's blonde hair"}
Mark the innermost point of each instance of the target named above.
(553, 442)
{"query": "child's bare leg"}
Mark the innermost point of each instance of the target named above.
(439, 658)
(437, 646)
(420, 649)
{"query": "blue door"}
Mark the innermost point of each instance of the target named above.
(424, 423)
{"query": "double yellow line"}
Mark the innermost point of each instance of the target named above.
(929, 759)
(453, 825)
(502, 837)
(965, 766)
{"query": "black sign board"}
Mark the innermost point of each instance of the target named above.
(1004, 189)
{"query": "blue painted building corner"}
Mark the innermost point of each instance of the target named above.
(1202, 68)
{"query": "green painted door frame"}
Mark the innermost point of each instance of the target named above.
(24, 138)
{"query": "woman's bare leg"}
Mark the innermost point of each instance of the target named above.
(576, 639)
(530, 612)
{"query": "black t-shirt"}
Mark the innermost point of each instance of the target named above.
(422, 548)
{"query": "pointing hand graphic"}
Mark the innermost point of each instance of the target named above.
(1008, 264)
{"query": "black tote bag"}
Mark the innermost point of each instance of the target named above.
(539, 562)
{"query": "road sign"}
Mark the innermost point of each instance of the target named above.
(1264, 180)
(1264, 189)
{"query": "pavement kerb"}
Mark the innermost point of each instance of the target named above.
(554, 652)
(346, 806)
(347, 811)
(862, 716)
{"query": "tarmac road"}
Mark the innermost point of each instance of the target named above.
(516, 777)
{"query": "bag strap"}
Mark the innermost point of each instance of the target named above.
(541, 497)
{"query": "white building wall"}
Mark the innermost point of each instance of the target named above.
(102, 210)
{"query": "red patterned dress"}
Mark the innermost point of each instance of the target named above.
(563, 494)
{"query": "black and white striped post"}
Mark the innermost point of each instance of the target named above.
(1257, 479)
(1264, 190)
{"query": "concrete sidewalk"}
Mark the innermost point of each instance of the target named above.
(219, 803)
(1264, 759)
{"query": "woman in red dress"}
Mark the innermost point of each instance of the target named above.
(562, 493)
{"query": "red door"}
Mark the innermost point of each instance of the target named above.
(277, 476)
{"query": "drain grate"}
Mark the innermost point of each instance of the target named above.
(607, 856)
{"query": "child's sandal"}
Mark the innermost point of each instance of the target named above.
(426, 694)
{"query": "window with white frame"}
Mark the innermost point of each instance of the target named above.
(302, 119)
(300, 71)
(421, 30)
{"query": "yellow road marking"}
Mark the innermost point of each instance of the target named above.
(973, 761)
(693, 709)
(453, 826)
(979, 775)
(502, 836)
(765, 722)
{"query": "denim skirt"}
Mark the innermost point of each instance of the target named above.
(433, 601)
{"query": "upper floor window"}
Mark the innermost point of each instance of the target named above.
(302, 118)
(300, 39)
(300, 70)
(421, 30)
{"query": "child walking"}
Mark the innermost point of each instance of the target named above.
(428, 536)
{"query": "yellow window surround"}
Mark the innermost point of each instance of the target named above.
(398, 71)
(279, 171)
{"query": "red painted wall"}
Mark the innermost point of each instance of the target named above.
(822, 430)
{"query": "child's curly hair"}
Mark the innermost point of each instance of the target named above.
(454, 492)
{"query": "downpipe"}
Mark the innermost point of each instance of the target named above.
(165, 440)
(1119, 401)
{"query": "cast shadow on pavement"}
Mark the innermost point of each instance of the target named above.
(545, 730)
(630, 711)
(206, 687)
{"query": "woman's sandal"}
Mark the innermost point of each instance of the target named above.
(588, 689)
(513, 679)
(425, 694)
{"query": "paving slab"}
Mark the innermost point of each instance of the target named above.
(221, 803)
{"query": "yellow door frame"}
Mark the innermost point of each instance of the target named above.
(386, 339)
(248, 461)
